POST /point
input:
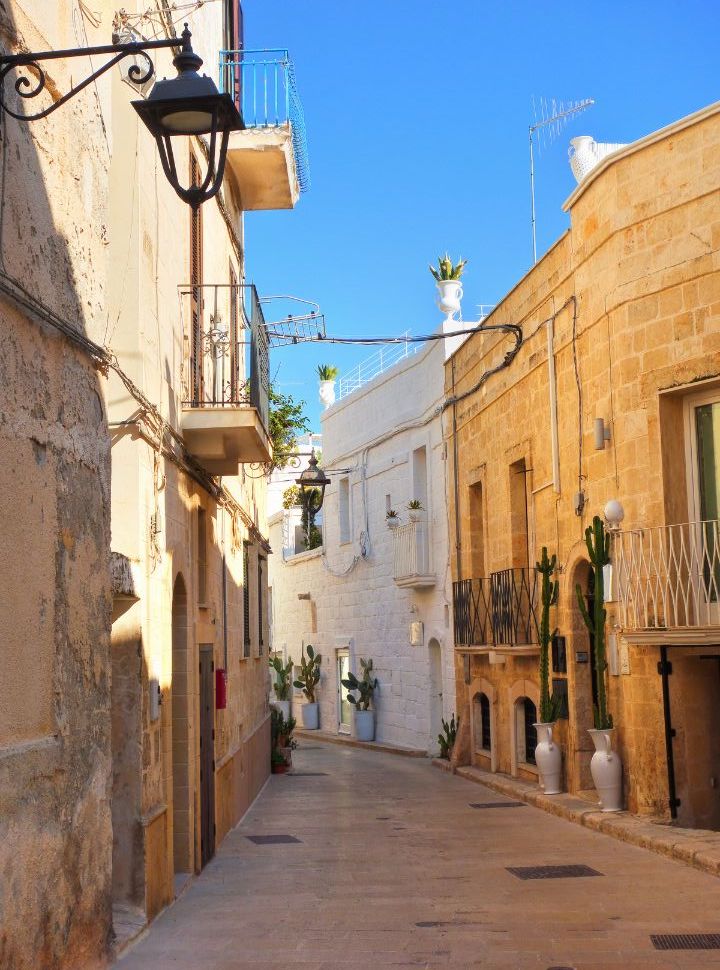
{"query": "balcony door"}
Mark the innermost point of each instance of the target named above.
(703, 460)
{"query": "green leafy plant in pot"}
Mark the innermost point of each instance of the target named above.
(365, 687)
(548, 756)
(307, 682)
(605, 765)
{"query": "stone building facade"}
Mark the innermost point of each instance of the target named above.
(373, 591)
(134, 725)
(620, 322)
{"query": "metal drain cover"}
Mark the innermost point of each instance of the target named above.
(272, 839)
(307, 774)
(497, 804)
(686, 941)
(552, 872)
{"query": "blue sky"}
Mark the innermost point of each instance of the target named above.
(417, 116)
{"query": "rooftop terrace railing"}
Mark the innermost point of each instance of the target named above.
(262, 84)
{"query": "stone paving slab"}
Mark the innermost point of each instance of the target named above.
(395, 869)
(696, 847)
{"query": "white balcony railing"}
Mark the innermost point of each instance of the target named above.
(410, 555)
(668, 577)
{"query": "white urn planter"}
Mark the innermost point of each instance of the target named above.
(311, 716)
(451, 293)
(364, 725)
(283, 707)
(393, 521)
(548, 759)
(416, 515)
(606, 770)
(327, 393)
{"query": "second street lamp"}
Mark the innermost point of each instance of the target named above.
(312, 483)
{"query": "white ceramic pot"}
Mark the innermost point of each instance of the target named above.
(548, 759)
(606, 771)
(283, 707)
(392, 521)
(327, 392)
(364, 725)
(311, 716)
(451, 293)
(415, 515)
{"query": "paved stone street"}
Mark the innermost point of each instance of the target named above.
(394, 868)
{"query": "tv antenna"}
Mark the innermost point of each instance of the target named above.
(554, 115)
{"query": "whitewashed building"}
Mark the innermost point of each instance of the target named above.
(373, 591)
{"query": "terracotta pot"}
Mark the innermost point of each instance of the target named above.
(279, 769)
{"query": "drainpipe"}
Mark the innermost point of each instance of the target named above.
(224, 598)
(553, 408)
(456, 484)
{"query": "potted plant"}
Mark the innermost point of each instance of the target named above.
(605, 766)
(278, 764)
(415, 509)
(307, 682)
(282, 684)
(392, 519)
(548, 756)
(447, 738)
(281, 730)
(447, 279)
(365, 687)
(327, 375)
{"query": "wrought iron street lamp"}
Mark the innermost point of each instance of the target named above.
(189, 104)
(312, 484)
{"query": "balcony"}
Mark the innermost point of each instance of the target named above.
(269, 158)
(497, 613)
(410, 555)
(225, 377)
(666, 581)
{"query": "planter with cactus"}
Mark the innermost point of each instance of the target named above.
(415, 510)
(548, 756)
(392, 519)
(448, 737)
(307, 682)
(327, 375)
(605, 766)
(447, 279)
(365, 687)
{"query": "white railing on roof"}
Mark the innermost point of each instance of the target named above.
(378, 363)
(668, 577)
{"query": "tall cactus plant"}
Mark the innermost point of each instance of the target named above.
(549, 704)
(598, 545)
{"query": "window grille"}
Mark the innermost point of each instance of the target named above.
(246, 599)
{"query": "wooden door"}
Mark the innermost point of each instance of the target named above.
(207, 755)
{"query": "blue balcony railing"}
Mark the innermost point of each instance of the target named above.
(262, 83)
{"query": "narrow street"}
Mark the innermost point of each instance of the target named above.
(394, 867)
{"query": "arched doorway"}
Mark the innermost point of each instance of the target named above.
(436, 692)
(182, 766)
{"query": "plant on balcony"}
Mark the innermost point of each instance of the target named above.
(548, 756)
(447, 739)
(415, 507)
(605, 765)
(327, 372)
(392, 519)
(365, 687)
(307, 682)
(446, 270)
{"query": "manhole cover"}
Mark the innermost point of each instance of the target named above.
(552, 872)
(307, 774)
(497, 804)
(272, 839)
(686, 941)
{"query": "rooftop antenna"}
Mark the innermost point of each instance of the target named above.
(554, 115)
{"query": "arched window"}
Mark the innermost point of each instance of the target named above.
(526, 733)
(483, 726)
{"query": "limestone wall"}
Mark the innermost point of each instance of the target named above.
(633, 290)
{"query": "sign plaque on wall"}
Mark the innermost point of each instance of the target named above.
(417, 633)
(581, 656)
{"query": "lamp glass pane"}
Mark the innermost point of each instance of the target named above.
(188, 122)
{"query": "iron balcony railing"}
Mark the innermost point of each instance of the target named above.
(498, 611)
(262, 84)
(668, 577)
(226, 360)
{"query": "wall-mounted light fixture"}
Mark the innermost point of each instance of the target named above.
(312, 483)
(189, 104)
(614, 514)
(602, 434)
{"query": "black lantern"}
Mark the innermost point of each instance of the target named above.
(312, 484)
(190, 104)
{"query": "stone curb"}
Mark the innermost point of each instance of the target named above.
(699, 848)
(354, 743)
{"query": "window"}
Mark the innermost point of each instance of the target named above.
(261, 597)
(344, 509)
(483, 727)
(526, 733)
(519, 532)
(419, 476)
(246, 599)
(202, 557)
(477, 534)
